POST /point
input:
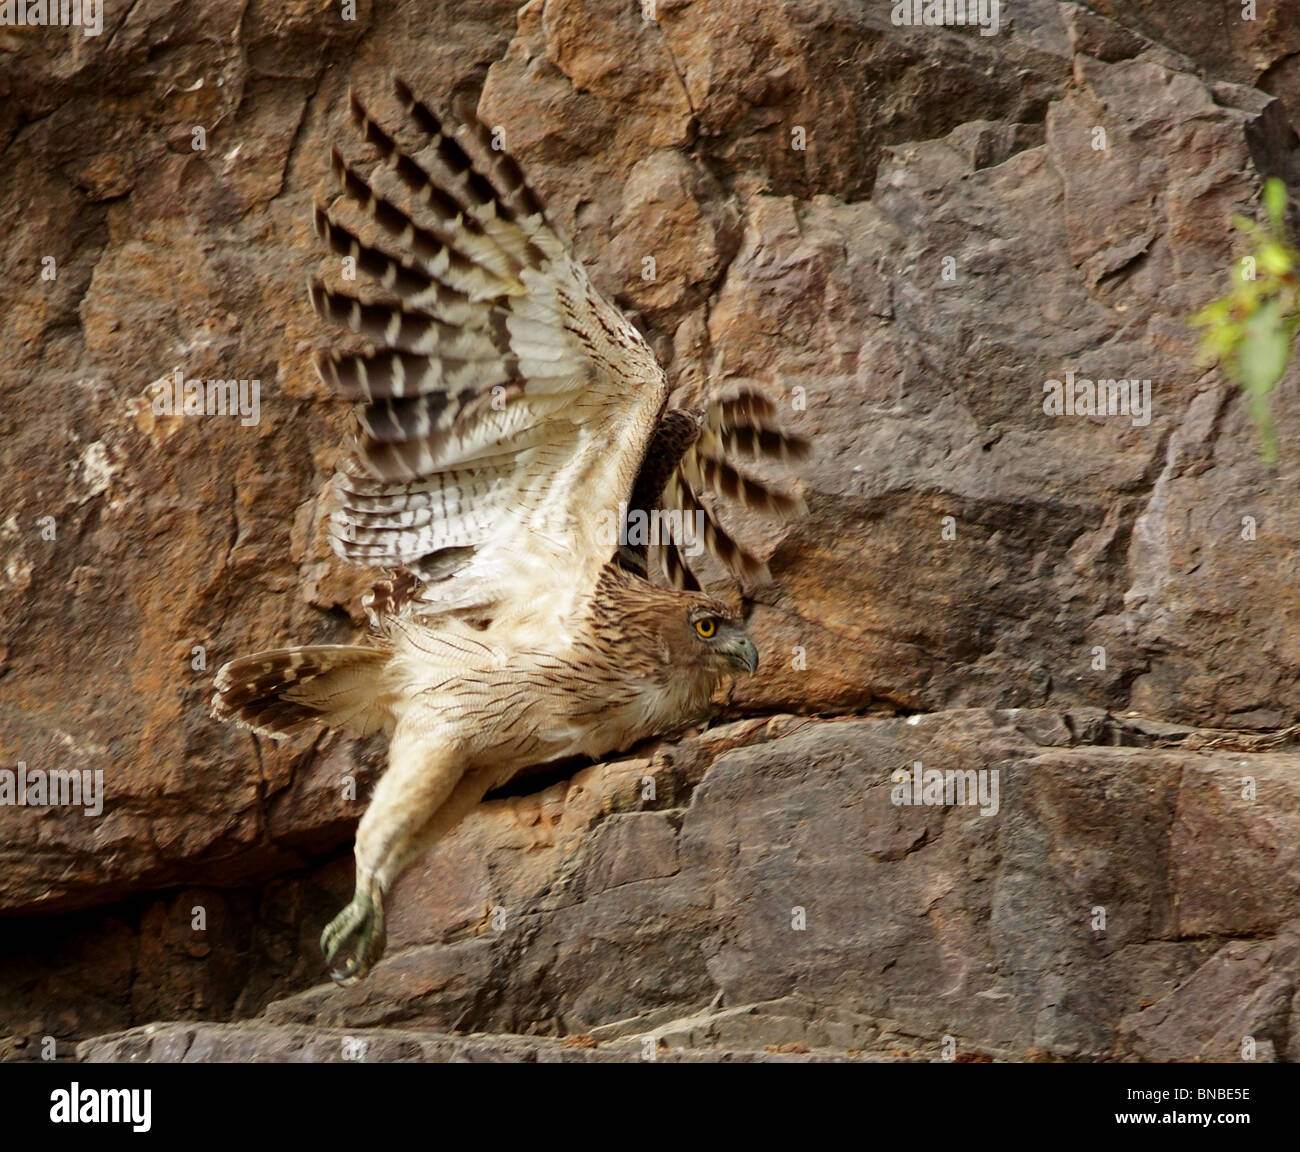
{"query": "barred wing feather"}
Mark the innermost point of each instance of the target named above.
(503, 403)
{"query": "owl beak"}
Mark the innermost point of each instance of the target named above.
(742, 653)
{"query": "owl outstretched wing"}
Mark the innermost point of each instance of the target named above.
(503, 404)
(505, 408)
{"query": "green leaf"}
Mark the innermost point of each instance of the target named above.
(1250, 330)
(1263, 355)
(1259, 411)
(1222, 341)
(1275, 258)
(1275, 202)
(1213, 313)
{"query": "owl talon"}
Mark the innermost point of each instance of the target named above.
(354, 940)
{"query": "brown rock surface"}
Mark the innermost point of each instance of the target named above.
(772, 893)
(819, 270)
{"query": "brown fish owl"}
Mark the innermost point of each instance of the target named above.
(511, 420)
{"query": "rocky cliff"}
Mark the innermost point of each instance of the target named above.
(908, 231)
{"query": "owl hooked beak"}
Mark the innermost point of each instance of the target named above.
(741, 652)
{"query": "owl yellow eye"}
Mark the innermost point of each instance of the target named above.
(706, 628)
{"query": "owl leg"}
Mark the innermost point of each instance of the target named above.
(424, 794)
(423, 770)
(354, 940)
(465, 797)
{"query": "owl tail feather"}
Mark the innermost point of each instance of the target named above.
(281, 692)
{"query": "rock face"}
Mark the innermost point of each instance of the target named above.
(906, 231)
(760, 888)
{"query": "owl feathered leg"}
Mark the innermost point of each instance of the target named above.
(424, 794)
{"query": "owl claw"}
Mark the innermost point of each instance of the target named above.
(354, 940)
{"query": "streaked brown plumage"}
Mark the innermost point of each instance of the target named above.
(505, 412)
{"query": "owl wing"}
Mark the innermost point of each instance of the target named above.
(503, 405)
(692, 464)
(737, 423)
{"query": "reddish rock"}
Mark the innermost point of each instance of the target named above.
(906, 232)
